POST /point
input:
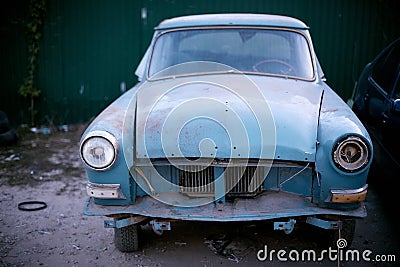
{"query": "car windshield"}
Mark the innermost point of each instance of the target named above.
(249, 50)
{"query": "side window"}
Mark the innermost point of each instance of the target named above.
(385, 71)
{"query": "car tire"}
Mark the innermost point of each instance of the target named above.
(126, 239)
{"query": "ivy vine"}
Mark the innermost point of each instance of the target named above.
(34, 28)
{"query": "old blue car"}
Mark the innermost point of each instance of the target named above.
(231, 120)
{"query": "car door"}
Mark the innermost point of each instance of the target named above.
(383, 80)
(394, 117)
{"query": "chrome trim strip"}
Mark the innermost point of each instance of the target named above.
(222, 162)
(349, 191)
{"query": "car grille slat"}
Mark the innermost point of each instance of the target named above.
(244, 180)
(196, 179)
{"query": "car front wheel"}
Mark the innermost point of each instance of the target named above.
(126, 239)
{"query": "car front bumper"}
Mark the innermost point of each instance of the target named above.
(268, 205)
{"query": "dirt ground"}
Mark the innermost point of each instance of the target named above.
(46, 167)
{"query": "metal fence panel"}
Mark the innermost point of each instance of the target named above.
(91, 48)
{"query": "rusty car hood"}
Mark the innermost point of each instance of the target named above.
(228, 116)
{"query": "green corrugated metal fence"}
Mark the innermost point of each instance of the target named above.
(90, 48)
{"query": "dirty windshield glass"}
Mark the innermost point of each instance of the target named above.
(249, 50)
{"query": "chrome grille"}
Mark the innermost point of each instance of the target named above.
(239, 181)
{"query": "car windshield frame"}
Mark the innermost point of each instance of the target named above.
(161, 73)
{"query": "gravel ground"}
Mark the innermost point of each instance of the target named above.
(46, 167)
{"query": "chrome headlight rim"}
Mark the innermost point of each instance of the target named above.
(109, 138)
(358, 161)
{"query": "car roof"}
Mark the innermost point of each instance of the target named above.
(232, 19)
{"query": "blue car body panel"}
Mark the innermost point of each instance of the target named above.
(294, 113)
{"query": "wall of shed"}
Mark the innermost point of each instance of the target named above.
(90, 48)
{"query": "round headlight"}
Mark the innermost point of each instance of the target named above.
(99, 150)
(351, 154)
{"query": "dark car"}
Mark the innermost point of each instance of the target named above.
(377, 99)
